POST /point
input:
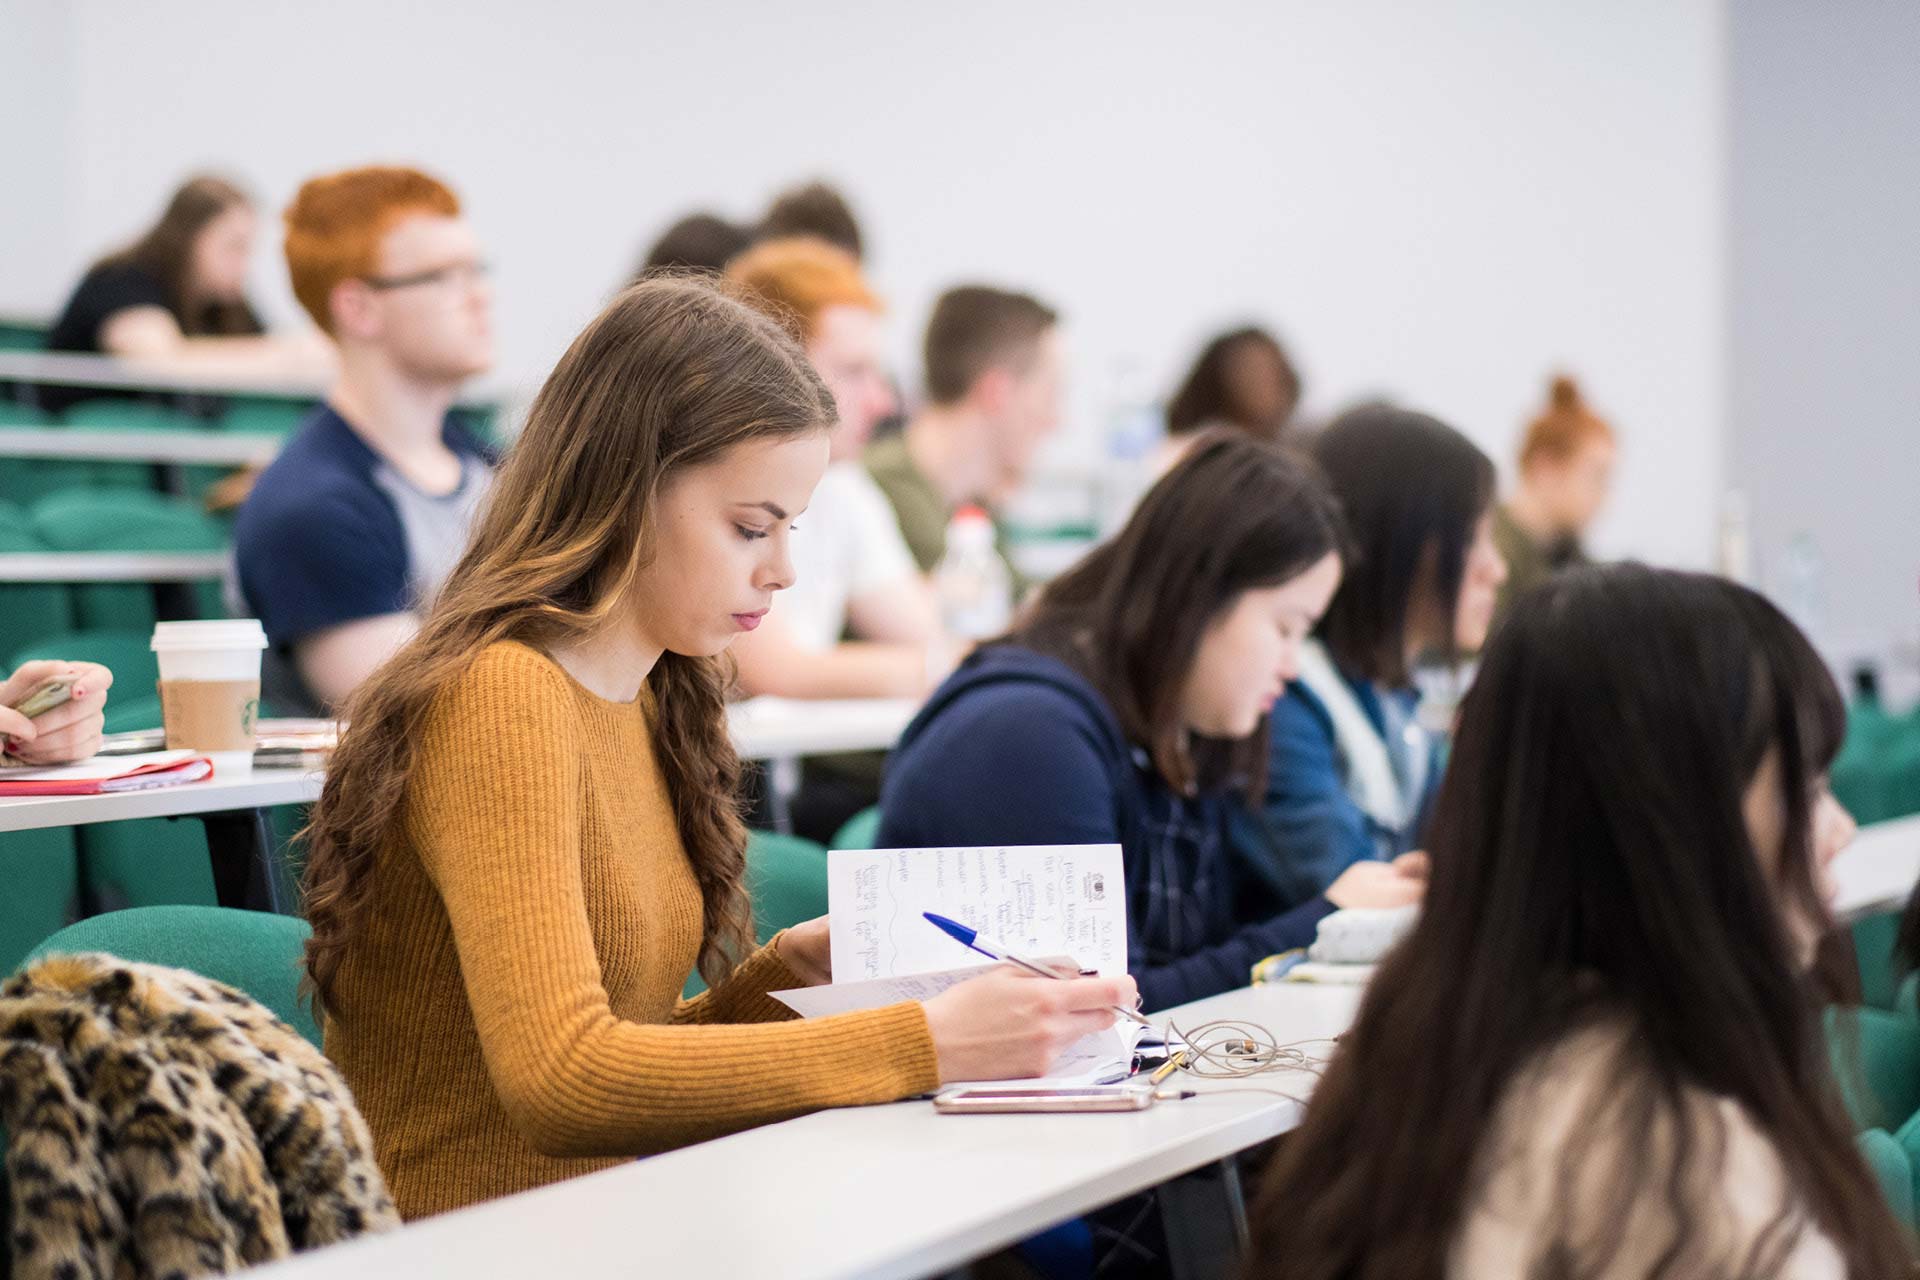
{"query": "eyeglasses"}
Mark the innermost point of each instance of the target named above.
(464, 274)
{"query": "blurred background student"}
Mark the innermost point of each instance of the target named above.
(1241, 379)
(702, 242)
(1566, 469)
(346, 537)
(176, 298)
(814, 209)
(859, 620)
(1351, 770)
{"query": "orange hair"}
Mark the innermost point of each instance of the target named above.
(336, 221)
(797, 278)
(1566, 424)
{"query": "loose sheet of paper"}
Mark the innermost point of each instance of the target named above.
(1040, 900)
(1099, 1058)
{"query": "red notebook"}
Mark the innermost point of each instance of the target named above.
(105, 775)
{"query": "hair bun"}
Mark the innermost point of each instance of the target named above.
(1564, 393)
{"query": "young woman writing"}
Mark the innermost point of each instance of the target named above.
(530, 834)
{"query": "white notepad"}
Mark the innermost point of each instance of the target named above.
(1042, 901)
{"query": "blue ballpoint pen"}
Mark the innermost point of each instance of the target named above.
(995, 951)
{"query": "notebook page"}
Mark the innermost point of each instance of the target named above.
(1040, 900)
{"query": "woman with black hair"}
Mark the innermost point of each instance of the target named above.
(1129, 708)
(1351, 771)
(1599, 1045)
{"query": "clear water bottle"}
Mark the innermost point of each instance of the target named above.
(1802, 589)
(975, 590)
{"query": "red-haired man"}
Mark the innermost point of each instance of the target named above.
(353, 528)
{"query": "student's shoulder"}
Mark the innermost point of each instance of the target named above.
(507, 683)
(1007, 698)
(321, 475)
(121, 284)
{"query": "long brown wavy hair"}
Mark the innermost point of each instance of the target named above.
(165, 251)
(671, 375)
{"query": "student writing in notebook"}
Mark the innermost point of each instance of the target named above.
(1129, 707)
(530, 834)
(1598, 1054)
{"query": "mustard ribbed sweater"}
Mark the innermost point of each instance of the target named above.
(510, 1015)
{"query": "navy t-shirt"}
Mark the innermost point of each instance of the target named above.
(331, 534)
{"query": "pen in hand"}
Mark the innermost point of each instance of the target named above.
(995, 951)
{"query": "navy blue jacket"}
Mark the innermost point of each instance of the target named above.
(1309, 829)
(1017, 748)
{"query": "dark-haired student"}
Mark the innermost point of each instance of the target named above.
(1241, 379)
(530, 835)
(1352, 772)
(1597, 1054)
(1129, 706)
(815, 209)
(176, 298)
(702, 242)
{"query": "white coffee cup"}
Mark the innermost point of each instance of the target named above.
(210, 688)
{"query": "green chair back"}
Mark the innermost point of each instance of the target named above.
(787, 877)
(29, 611)
(126, 653)
(1875, 1056)
(107, 414)
(43, 888)
(1892, 1166)
(860, 831)
(1873, 939)
(252, 950)
(127, 520)
(264, 415)
(22, 335)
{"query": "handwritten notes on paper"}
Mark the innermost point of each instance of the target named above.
(1039, 900)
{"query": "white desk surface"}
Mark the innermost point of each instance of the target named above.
(264, 789)
(1879, 871)
(780, 728)
(871, 1192)
(762, 729)
(78, 369)
(112, 566)
(222, 448)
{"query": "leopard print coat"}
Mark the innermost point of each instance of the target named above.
(159, 1124)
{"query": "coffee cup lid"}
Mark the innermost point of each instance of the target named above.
(230, 633)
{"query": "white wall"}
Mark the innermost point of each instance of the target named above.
(1825, 309)
(1442, 202)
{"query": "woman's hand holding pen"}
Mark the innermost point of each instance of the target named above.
(1007, 1024)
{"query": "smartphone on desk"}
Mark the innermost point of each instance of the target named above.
(980, 1102)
